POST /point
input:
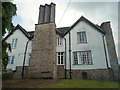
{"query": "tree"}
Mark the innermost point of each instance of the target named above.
(8, 11)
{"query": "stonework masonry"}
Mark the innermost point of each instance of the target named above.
(111, 48)
(94, 74)
(91, 74)
(43, 60)
(60, 71)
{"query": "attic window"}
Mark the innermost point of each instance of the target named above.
(81, 37)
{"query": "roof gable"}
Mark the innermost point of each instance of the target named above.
(21, 29)
(87, 21)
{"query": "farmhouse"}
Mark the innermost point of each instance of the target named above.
(81, 51)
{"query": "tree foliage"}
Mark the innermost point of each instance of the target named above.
(5, 46)
(8, 11)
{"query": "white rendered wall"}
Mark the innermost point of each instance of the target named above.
(94, 43)
(18, 52)
(62, 47)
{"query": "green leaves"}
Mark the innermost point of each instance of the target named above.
(5, 59)
(8, 11)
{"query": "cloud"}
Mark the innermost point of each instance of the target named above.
(97, 12)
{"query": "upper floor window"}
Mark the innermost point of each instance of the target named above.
(81, 37)
(14, 43)
(59, 41)
(82, 57)
(60, 58)
(11, 59)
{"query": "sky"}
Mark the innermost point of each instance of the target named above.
(97, 11)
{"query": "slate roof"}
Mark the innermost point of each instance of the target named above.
(87, 21)
(62, 31)
(27, 34)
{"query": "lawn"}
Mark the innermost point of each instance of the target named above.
(84, 84)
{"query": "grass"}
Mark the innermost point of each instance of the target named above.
(84, 84)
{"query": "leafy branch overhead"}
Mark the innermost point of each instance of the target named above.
(8, 11)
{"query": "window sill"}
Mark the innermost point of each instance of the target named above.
(82, 43)
(60, 64)
(82, 64)
(60, 46)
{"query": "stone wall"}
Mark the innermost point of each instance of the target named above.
(60, 71)
(43, 59)
(111, 48)
(18, 73)
(94, 74)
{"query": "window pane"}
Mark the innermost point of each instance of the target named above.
(15, 43)
(81, 37)
(59, 41)
(85, 57)
(12, 60)
(61, 59)
(58, 59)
(75, 58)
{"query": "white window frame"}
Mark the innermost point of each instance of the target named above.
(14, 42)
(11, 59)
(60, 55)
(59, 41)
(84, 58)
(81, 37)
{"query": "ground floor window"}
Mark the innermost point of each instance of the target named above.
(60, 58)
(82, 57)
(11, 59)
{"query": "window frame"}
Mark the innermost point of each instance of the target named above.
(59, 41)
(11, 59)
(82, 37)
(81, 55)
(14, 43)
(60, 55)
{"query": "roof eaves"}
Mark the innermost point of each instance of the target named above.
(82, 18)
(17, 27)
(57, 32)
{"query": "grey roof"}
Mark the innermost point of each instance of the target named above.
(87, 21)
(22, 30)
(62, 31)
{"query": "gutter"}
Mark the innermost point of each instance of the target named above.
(105, 52)
(65, 58)
(24, 59)
(70, 54)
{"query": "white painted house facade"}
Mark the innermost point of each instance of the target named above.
(87, 47)
(18, 41)
(82, 50)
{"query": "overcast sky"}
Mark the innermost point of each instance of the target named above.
(94, 10)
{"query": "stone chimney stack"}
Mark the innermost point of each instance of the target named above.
(46, 13)
(43, 59)
(111, 48)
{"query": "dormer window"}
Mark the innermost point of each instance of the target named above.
(14, 43)
(59, 41)
(81, 37)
